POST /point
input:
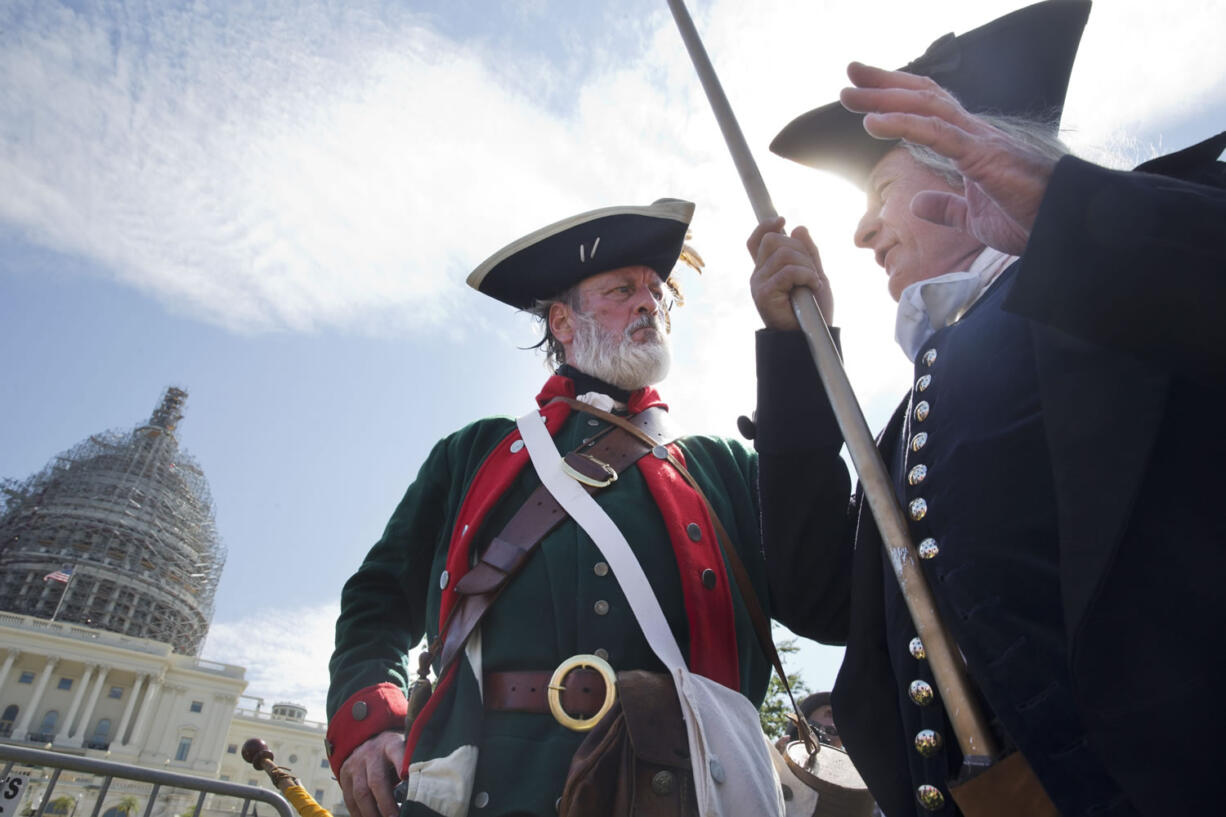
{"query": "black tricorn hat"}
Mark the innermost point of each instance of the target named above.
(1016, 65)
(1198, 163)
(554, 258)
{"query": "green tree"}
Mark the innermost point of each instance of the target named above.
(60, 805)
(776, 707)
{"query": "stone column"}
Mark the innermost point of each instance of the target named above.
(216, 723)
(78, 739)
(127, 712)
(65, 726)
(147, 708)
(158, 740)
(23, 724)
(8, 665)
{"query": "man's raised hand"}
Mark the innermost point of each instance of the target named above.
(1004, 179)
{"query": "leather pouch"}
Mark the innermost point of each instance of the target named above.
(636, 761)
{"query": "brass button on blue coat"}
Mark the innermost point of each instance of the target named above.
(918, 509)
(359, 711)
(916, 648)
(601, 568)
(923, 383)
(693, 531)
(928, 548)
(601, 607)
(919, 441)
(930, 357)
(708, 578)
(917, 474)
(930, 797)
(921, 692)
(482, 799)
(921, 411)
(601, 653)
(928, 742)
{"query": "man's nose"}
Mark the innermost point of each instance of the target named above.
(647, 302)
(866, 229)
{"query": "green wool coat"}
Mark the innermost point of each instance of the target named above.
(548, 611)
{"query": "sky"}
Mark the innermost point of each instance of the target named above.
(274, 206)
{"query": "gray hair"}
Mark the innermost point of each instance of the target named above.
(1035, 134)
(555, 354)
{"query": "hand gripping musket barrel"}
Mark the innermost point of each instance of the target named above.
(1011, 783)
(257, 753)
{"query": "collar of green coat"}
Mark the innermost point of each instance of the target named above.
(562, 386)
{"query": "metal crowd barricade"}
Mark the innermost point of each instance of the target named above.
(15, 758)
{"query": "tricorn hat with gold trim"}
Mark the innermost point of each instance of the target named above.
(1016, 65)
(551, 260)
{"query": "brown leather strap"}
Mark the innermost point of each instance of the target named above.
(541, 513)
(582, 696)
(757, 616)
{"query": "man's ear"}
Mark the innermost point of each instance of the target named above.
(561, 324)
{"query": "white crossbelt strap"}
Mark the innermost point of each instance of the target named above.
(612, 544)
(721, 724)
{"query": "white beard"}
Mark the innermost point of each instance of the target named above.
(620, 360)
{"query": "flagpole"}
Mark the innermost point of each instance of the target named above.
(71, 572)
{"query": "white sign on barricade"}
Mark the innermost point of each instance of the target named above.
(12, 791)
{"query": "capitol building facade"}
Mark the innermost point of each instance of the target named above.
(109, 560)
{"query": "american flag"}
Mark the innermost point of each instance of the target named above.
(61, 575)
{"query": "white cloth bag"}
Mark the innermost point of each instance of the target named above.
(733, 772)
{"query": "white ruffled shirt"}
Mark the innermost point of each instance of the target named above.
(935, 303)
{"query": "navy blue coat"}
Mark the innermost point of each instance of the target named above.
(1123, 285)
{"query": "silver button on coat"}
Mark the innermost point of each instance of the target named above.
(917, 474)
(930, 357)
(928, 742)
(918, 509)
(916, 648)
(930, 797)
(921, 692)
(921, 411)
(919, 441)
(928, 548)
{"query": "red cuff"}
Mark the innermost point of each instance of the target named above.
(368, 712)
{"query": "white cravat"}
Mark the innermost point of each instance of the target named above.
(935, 303)
(601, 401)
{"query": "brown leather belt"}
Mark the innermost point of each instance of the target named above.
(583, 695)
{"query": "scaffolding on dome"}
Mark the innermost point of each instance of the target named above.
(127, 518)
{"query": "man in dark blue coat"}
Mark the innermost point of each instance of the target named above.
(1058, 457)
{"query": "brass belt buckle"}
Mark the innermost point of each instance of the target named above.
(577, 475)
(555, 689)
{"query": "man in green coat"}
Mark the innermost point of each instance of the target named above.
(487, 740)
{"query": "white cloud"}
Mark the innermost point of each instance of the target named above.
(295, 168)
(285, 651)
